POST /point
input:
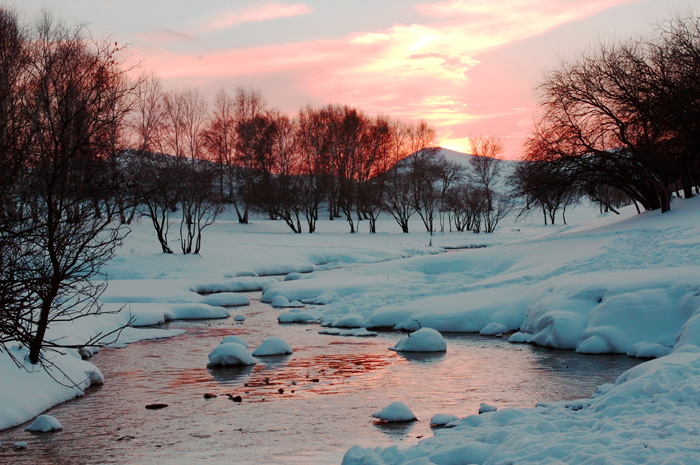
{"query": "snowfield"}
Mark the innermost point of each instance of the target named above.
(625, 284)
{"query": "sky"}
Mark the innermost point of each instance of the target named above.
(467, 67)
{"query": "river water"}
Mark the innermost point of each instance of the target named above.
(329, 386)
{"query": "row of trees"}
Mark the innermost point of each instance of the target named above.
(334, 157)
(620, 121)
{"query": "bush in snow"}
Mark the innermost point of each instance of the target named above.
(44, 424)
(423, 340)
(395, 412)
(230, 353)
(236, 339)
(272, 346)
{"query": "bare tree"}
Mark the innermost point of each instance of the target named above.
(486, 167)
(64, 228)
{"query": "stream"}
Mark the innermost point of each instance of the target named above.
(305, 408)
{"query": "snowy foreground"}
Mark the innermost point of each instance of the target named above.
(625, 284)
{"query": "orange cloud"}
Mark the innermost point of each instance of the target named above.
(267, 12)
(432, 71)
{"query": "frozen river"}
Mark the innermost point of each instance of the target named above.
(306, 408)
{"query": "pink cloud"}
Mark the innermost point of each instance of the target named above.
(258, 13)
(434, 71)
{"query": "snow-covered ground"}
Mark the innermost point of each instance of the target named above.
(627, 284)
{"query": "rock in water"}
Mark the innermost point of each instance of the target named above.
(156, 406)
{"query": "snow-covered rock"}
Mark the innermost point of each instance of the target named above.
(273, 346)
(485, 408)
(441, 419)
(493, 329)
(395, 412)
(239, 318)
(230, 353)
(44, 424)
(234, 338)
(20, 445)
(423, 340)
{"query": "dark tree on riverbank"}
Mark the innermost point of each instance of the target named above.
(59, 214)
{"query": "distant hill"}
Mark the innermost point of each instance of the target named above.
(463, 159)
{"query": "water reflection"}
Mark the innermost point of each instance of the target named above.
(395, 430)
(428, 357)
(227, 376)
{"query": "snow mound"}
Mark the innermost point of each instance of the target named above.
(355, 332)
(242, 284)
(20, 445)
(494, 329)
(485, 408)
(230, 353)
(293, 276)
(280, 301)
(441, 419)
(423, 340)
(227, 299)
(44, 424)
(195, 311)
(648, 350)
(273, 346)
(239, 318)
(520, 337)
(353, 320)
(395, 412)
(233, 338)
(298, 316)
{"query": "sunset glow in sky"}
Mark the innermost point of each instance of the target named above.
(468, 67)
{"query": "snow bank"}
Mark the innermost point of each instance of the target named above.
(30, 390)
(299, 316)
(355, 332)
(396, 412)
(441, 419)
(651, 415)
(273, 346)
(44, 424)
(226, 299)
(242, 284)
(228, 354)
(423, 340)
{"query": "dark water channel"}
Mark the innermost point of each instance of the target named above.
(331, 385)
